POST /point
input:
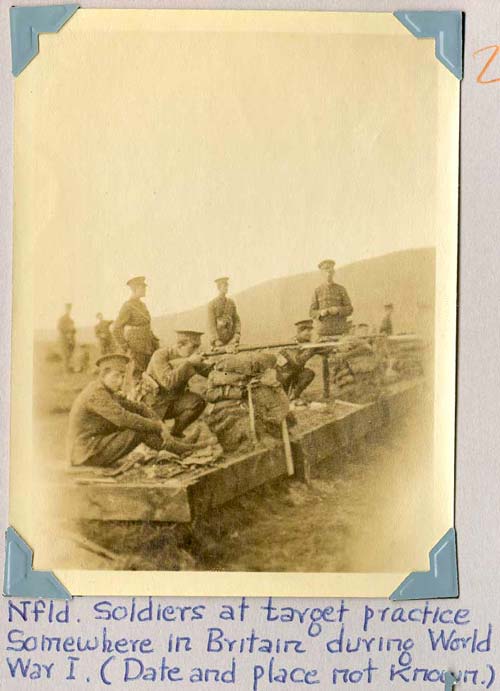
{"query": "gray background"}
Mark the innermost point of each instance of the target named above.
(478, 430)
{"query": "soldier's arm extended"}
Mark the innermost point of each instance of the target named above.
(103, 404)
(168, 372)
(314, 310)
(204, 368)
(138, 407)
(119, 327)
(346, 308)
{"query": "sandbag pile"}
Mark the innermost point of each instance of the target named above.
(407, 357)
(357, 361)
(230, 384)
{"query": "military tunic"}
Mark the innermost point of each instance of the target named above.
(132, 333)
(293, 375)
(172, 373)
(67, 331)
(223, 320)
(104, 426)
(330, 295)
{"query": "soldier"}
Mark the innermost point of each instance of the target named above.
(386, 324)
(103, 334)
(171, 369)
(292, 373)
(132, 328)
(330, 305)
(103, 425)
(224, 325)
(67, 331)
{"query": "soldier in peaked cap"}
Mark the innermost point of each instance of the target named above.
(291, 369)
(224, 326)
(330, 304)
(386, 324)
(104, 425)
(169, 371)
(132, 328)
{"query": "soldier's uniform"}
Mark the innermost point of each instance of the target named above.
(67, 331)
(172, 400)
(104, 336)
(326, 296)
(105, 426)
(292, 372)
(293, 375)
(223, 320)
(132, 331)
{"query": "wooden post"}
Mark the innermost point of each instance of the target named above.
(288, 448)
(251, 415)
(326, 377)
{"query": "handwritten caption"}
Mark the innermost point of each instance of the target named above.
(255, 644)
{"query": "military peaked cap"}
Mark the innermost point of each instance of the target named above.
(326, 264)
(222, 279)
(304, 323)
(136, 281)
(389, 304)
(118, 360)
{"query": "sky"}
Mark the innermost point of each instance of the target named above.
(183, 156)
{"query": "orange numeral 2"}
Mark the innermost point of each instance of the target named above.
(495, 50)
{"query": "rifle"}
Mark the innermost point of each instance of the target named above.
(333, 342)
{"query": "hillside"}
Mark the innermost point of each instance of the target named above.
(268, 310)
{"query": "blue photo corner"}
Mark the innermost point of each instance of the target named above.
(20, 580)
(446, 30)
(441, 581)
(26, 23)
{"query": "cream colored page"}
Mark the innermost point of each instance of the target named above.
(189, 144)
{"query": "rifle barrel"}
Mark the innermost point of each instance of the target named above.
(331, 343)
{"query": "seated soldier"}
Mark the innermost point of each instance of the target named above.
(104, 426)
(292, 373)
(171, 369)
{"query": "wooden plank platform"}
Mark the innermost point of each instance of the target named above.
(181, 499)
(165, 502)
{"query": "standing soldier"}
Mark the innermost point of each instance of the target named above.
(224, 325)
(132, 328)
(103, 333)
(170, 370)
(292, 372)
(67, 331)
(386, 324)
(330, 307)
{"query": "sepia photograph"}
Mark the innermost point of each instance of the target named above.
(234, 318)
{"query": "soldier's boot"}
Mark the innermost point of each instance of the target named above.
(185, 418)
